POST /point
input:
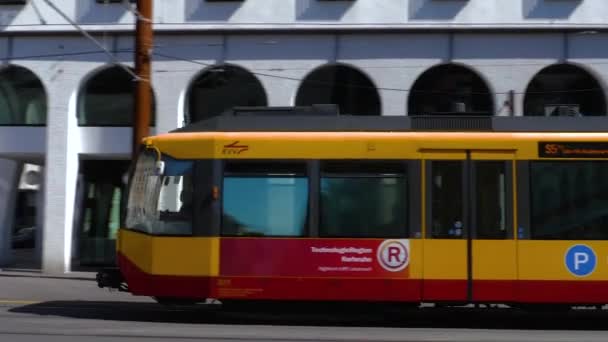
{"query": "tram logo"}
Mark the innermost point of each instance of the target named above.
(394, 255)
(234, 148)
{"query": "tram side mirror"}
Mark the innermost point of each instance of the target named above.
(159, 168)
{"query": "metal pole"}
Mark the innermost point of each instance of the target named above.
(144, 37)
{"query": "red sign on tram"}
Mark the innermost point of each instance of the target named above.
(268, 257)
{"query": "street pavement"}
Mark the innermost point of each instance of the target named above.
(39, 307)
(31, 287)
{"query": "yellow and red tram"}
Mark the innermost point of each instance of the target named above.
(369, 215)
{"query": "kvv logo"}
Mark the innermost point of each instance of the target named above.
(235, 148)
(580, 260)
(394, 255)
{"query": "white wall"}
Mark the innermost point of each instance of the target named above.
(197, 14)
(393, 62)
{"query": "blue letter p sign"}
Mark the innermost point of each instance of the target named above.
(580, 260)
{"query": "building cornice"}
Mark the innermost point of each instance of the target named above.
(307, 28)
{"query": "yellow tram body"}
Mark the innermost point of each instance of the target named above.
(515, 268)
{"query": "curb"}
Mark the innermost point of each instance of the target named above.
(88, 276)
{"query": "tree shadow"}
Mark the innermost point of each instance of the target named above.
(198, 10)
(332, 314)
(439, 10)
(542, 9)
(321, 10)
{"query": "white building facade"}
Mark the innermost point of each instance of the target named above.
(66, 104)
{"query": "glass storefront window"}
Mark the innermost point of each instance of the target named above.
(100, 194)
(108, 99)
(22, 98)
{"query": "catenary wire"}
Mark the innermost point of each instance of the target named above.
(295, 79)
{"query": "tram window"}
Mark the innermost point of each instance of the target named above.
(264, 199)
(569, 200)
(492, 200)
(175, 199)
(160, 204)
(363, 200)
(446, 196)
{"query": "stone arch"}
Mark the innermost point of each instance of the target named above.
(343, 85)
(107, 98)
(222, 87)
(23, 99)
(450, 89)
(564, 89)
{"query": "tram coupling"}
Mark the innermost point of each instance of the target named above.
(111, 278)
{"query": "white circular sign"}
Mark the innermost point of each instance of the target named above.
(393, 255)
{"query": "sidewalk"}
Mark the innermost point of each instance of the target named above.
(30, 287)
(25, 282)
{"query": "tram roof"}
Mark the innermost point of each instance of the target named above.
(305, 119)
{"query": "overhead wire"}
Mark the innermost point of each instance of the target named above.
(92, 39)
(164, 55)
(295, 79)
(256, 71)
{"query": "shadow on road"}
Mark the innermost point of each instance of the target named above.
(377, 317)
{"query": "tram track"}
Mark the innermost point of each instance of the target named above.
(91, 321)
(455, 317)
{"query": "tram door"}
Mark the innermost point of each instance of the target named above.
(469, 246)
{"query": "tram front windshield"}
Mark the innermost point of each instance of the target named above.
(160, 203)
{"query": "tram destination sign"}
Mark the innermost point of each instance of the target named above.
(573, 149)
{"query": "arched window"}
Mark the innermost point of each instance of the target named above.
(450, 90)
(350, 89)
(221, 88)
(564, 89)
(22, 97)
(108, 99)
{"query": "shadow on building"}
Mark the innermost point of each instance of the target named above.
(438, 10)
(8, 14)
(542, 9)
(91, 12)
(316, 10)
(197, 10)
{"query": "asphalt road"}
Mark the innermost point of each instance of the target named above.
(38, 308)
(120, 321)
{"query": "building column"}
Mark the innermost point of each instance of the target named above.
(40, 215)
(61, 172)
(10, 174)
(170, 103)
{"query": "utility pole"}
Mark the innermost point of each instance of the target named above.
(144, 38)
